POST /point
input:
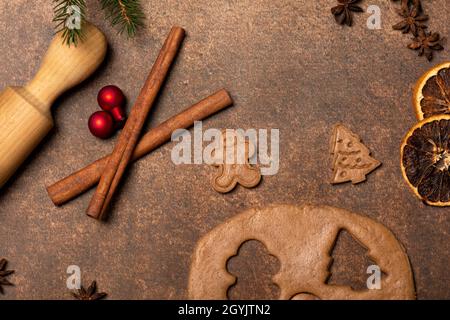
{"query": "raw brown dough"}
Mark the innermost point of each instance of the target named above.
(302, 239)
(351, 159)
(228, 175)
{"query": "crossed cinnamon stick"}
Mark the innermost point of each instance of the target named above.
(121, 156)
(110, 170)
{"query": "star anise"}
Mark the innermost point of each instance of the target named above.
(413, 20)
(4, 274)
(426, 43)
(89, 294)
(343, 13)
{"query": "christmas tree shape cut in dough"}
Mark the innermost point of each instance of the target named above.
(351, 159)
(350, 262)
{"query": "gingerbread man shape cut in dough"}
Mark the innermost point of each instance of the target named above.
(231, 169)
(302, 238)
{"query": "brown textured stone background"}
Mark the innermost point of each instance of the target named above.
(288, 66)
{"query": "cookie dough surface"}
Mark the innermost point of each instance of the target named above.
(301, 238)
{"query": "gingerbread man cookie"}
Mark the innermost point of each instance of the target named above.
(302, 238)
(233, 165)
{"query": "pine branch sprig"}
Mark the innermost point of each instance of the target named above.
(65, 11)
(127, 15)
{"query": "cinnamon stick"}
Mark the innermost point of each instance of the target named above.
(79, 182)
(121, 156)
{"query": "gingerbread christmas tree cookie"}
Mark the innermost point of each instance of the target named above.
(351, 159)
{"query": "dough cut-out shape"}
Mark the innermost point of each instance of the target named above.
(351, 159)
(302, 238)
(230, 170)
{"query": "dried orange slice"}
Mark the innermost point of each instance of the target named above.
(431, 94)
(425, 160)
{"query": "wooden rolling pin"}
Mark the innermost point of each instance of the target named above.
(25, 115)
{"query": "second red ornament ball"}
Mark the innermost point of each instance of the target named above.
(102, 125)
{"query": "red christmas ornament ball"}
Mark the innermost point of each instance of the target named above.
(112, 99)
(101, 124)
